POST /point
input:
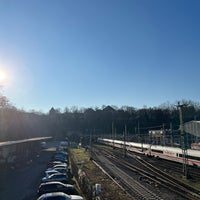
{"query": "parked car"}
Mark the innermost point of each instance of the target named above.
(56, 186)
(53, 163)
(55, 196)
(62, 155)
(57, 167)
(60, 158)
(60, 165)
(56, 170)
(43, 145)
(59, 196)
(76, 197)
(55, 177)
(50, 172)
(63, 165)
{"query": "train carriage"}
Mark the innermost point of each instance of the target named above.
(164, 152)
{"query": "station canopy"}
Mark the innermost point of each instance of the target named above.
(192, 127)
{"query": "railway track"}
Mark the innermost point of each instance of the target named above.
(138, 165)
(194, 172)
(170, 182)
(131, 186)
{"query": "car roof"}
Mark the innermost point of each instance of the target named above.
(53, 170)
(54, 194)
(76, 197)
(58, 174)
(61, 164)
(56, 182)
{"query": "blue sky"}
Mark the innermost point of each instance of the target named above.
(91, 53)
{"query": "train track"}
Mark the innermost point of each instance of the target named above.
(148, 172)
(127, 183)
(169, 181)
(194, 172)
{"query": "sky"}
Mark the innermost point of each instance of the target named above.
(89, 53)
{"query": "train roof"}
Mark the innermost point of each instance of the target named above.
(155, 147)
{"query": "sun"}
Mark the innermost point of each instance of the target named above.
(2, 76)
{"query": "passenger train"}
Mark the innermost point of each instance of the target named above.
(165, 152)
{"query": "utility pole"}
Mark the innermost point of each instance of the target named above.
(90, 144)
(125, 141)
(171, 135)
(113, 133)
(140, 136)
(183, 142)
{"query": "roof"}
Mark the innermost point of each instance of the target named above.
(109, 108)
(55, 194)
(7, 143)
(56, 182)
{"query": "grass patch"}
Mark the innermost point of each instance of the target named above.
(80, 154)
(82, 159)
(110, 190)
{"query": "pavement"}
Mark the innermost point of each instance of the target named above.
(22, 183)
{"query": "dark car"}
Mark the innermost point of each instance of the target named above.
(52, 163)
(57, 166)
(61, 159)
(56, 186)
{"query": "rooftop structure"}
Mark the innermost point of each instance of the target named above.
(192, 127)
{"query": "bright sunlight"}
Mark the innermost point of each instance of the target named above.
(2, 75)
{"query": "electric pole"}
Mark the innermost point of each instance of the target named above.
(125, 132)
(140, 136)
(183, 142)
(171, 135)
(113, 136)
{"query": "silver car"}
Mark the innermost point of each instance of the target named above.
(59, 196)
(55, 177)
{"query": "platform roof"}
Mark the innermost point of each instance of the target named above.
(7, 143)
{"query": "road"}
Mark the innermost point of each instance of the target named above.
(22, 184)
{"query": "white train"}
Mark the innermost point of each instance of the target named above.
(169, 153)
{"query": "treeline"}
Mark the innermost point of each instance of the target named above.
(76, 122)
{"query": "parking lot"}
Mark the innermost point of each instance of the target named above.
(22, 183)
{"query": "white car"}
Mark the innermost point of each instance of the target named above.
(54, 195)
(76, 197)
(54, 171)
(50, 172)
(55, 177)
(60, 196)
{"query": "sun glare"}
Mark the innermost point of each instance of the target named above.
(2, 76)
